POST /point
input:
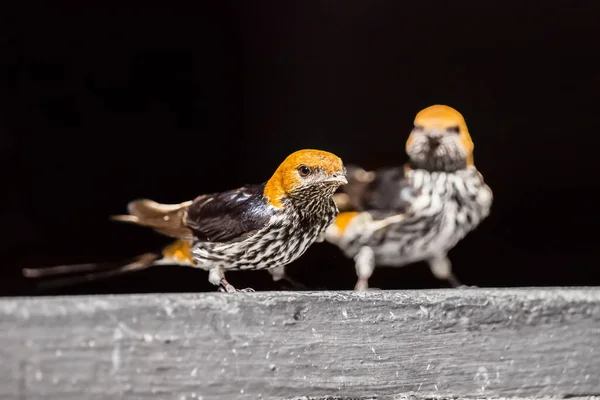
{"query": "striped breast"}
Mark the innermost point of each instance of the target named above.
(448, 207)
(288, 235)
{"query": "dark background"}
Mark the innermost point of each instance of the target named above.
(101, 104)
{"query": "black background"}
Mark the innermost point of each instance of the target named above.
(102, 104)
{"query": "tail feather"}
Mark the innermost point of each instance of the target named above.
(61, 270)
(125, 218)
(149, 209)
(99, 271)
(177, 252)
(168, 219)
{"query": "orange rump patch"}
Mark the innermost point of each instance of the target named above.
(179, 251)
(343, 219)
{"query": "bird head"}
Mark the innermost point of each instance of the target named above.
(440, 140)
(306, 174)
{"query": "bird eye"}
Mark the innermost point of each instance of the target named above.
(452, 129)
(303, 170)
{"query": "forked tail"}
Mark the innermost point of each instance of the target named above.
(167, 219)
(67, 275)
(177, 253)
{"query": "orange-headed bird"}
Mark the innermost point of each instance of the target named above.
(255, 227)
(419, 212)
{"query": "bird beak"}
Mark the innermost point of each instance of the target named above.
(338, 180)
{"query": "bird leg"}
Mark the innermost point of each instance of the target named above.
(441, 267)
(225, 286)
(217, 278)
(278, 273)
(365, 264)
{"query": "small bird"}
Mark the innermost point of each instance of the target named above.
(400, 215)
(255, 227)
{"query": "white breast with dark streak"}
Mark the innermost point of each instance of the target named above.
(449, 206)
(283, 240)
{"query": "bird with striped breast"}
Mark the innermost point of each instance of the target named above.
(417, 212)
(256, 227)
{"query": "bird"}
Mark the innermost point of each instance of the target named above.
(399, 215)
(255, 227)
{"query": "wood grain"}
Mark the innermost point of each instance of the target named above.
(477, 343)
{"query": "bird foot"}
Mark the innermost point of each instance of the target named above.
(228, 288)
(369, 289)
(362, 285)
(234, 290)
(455, 283)
(466, 287)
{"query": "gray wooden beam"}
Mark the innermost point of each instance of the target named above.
(477, 343)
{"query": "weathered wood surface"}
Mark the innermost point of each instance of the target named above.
(475, 343)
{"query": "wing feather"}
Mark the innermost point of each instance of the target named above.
(228, 216)
(383, 189)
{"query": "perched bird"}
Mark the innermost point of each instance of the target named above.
(419, 212)
(264, 226)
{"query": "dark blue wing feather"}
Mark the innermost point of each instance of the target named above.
(388, 190)
(228, 216)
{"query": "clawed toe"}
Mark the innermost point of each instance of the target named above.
(231, 289)
(361, 285)
(227, 288)
(467, 287)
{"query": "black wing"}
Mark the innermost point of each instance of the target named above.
(228, 216)
(383, 189)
